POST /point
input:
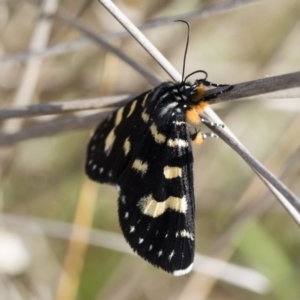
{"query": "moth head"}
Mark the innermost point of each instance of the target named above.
(187, 91)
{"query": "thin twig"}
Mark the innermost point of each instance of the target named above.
(62, 48)
(39, 40)
(260, 86)
(54, 126)
(145, 72)
(31, 75)
(210, 10)
(58, 107)
(240, 91)
(50, 51)
(293, 205)
(141, 39)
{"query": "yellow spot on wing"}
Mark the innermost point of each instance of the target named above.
(172, 172)
(145, 99)
(145, 116)
(158, 137)
(126, 146)
(111, 136)
(109, 140)
(149, 206)
(140, 166)
(119, 116)
(132, 107)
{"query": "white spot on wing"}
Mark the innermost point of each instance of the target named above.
(164, 95)
(160, 253)
(179, 122)
(132, 229)
(150, 248)
(126, 215)
(140, 240)
(177, 143)
(184, 233)
(171, 255)
(182, 272)
(122, 199)
(167, 108)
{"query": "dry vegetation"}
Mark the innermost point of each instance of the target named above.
(44, 190)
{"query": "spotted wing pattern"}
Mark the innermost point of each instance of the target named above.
(144, 149)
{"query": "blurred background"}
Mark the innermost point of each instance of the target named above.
(59, 232)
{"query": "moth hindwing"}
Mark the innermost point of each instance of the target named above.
(144, 149)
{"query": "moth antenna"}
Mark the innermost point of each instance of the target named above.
(186, 46)
(198, 71)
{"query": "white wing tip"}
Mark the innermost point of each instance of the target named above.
(183, 272)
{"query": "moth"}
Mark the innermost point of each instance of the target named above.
(144, 150)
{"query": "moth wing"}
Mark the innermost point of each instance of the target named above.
(108, 151)
(156, 202)
(149, 158)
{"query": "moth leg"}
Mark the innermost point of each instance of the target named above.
(213, 124)
(198, 137)
(209, 135)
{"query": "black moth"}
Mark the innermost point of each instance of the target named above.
(144, 149)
